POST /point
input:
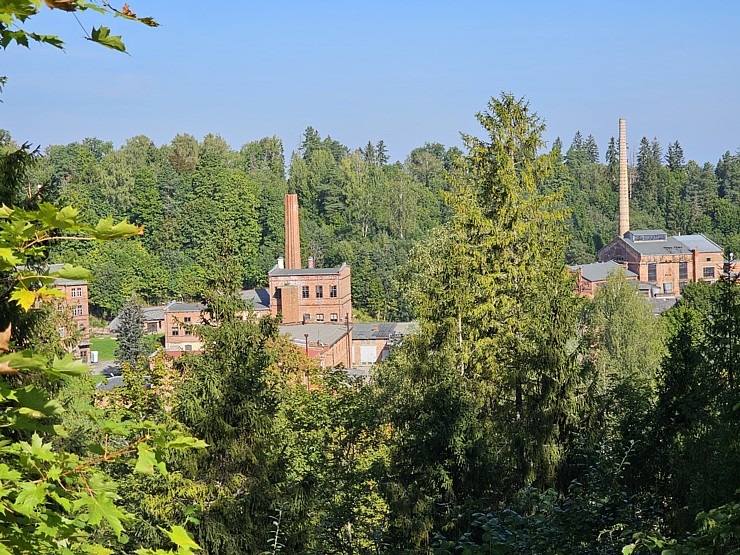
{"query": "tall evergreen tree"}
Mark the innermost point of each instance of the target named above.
(130, 334)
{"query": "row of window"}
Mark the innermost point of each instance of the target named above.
(76, 292)
(683, 271)
(319, 290)
(333, 317)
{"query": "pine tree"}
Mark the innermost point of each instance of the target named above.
(130, 334)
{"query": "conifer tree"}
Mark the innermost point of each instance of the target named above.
(130, 334)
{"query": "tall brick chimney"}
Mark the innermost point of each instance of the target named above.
(624, 201)
(292, 233)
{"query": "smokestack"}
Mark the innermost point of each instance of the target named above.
(624, 201)
(292, 233)
(310, 261)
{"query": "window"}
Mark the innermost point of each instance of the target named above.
(368, 354)
(668, 287)
(188, 347)
(61, 331)
(709, 272)
(319, 291)
(652, 272)
(77, 291)
(187, 319)
(319, 317)
(683, 270)
(333, 291)
(306, 317)
(334, 317)
(709, 259)
(78, 310)
(304, 291)
(151, 327)
(175, 331)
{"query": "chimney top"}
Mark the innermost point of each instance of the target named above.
(310, 261)
(281, 262)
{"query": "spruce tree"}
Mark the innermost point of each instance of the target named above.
(130, 334)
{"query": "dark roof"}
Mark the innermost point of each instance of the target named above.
(305, 271)
(148, 313)
(326, 334)
(661, 304)
(381, 330)
(259, 299)
(176, 306)
(699, 242)
(657, 248)
(599, 271)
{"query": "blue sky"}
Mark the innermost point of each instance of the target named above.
(406, 72)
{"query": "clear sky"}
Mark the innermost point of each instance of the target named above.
(404, 71)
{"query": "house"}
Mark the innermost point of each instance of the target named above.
(591, 276)
(178, 316)
(75, 300)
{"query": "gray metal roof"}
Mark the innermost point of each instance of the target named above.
(381, 330)
(176, 306)
(258, 298)
(599, 271)
(305, 271)
(326, 334)
(656, 248)
(699, 242)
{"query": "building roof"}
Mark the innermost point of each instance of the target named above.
(599, 271)
(177, 306)
(661, 304)
(148, 314)
(699, 242)
(258, 298)
(382, 330)
(306, 271)
(323, 334)
(670, 245)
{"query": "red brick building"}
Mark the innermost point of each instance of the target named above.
(668, 264)
(75, 301)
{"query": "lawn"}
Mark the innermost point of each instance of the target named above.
(105, 346)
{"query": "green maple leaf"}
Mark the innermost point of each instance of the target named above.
(102, 507)
(147, 459)
(31, 495)
(102, 35)
(69, 271)
(180, 537)
(24, 298)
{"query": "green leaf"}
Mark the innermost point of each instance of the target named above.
(107, 230)
(182, 539)
(24, 360)
(68, 271)
(628, 549)
(31, 495)
(7, 474)
(186, 442)
(8, 256)
(68, 366)
(102, 35)
(146, 461)
(102, 507)
(23, 297)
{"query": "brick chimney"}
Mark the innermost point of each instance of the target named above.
(292, 233)
(310, 261)
(624, 201)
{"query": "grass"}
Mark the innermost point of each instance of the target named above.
(105, 346)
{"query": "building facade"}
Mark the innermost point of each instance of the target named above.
(668, 264)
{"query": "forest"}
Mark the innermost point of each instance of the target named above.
(520, 418)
